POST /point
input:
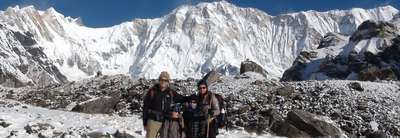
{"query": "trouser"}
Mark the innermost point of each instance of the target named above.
(153, 128)
(212, 129)
(170, 129)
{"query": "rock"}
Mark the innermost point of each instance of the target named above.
(120, 134)
(244, 109)
(331, 39)
(272, 115)
(295, 72)
(373, 73)
(377, 134)
(99, 74)
(97, 135)
(212, 77)
(283, 128)
(102, 105)
(257, 82)
(312, 124)
(26, 39)
(356, 86)
(286, 91)
(362, 105)
(36, 128)
(370, 28)
(250, 66)
(4, 124)
(12, 133)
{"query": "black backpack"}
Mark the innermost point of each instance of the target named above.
(221, 118)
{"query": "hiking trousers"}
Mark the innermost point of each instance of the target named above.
(153, 128)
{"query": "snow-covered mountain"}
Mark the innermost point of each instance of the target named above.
(22, 61)
(369, 54)
(188, 42)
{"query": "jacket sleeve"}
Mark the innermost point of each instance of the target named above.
(215, 106)
(178, 98)
(146, 104)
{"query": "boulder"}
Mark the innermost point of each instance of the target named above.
(287, 91)
(122, 134)
(377, 134)
(37, 128)
(356, 86)
(373, 73)
(97, 135)
(272, 115)
(312, 124)
(212, 77)
(102, 105)
(283, 128)
(4, 124)
(250, 66)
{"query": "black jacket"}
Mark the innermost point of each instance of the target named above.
(157, 104)
(195, 123)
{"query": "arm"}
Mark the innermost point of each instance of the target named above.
(215, 106)
(146, 104)
(178, 98)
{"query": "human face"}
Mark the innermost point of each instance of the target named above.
(203, 89)
(164, 83)
(193, 104)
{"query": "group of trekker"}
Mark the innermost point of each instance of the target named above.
(167, 114)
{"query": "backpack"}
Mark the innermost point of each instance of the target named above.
(221, 118)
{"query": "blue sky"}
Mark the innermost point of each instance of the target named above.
(103, 13)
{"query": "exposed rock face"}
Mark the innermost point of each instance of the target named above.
(23, 61)
(331, 39)
(370, 29)
(370, 55)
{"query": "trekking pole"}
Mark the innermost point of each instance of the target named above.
(208, 127)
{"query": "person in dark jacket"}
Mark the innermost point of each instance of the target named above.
(157, 106)
(194, 119)
(209, 107)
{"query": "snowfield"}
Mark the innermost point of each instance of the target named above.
(66, 124)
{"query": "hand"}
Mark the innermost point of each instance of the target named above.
(174, 115)
(206, 108)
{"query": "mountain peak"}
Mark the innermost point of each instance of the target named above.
(189, 42)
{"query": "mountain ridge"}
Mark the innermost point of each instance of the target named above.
(187, 42)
